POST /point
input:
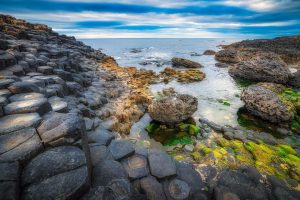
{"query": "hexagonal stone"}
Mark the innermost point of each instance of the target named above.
(7, 60)
(152, 188)
(52, 162)
(41, 106)
(188, 174)
(16, 122)
(121, 148)
(68, 185)
(136, 166)
(26, 96)
(101, 136)
(119, 189)
(23, 87)
(99, 153)
(20, 145)
(106, 171)
(4, 83)
(161, 164)
(58, 104)
(176, 189)
(59, 128)
(45, 69)
(4, 93)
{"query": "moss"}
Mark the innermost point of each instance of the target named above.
(179, 157)
(288, 149)
(206, 150)
(196, 155)
(223, 142)
(189, 128)
(219, 152)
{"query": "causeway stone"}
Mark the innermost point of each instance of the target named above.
(121, 148)
(40, 106)
(161, 164)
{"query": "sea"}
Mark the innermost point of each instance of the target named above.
(156, 54)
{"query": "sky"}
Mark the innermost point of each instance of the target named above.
(87, 19)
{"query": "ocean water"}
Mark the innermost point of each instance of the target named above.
(155, 54)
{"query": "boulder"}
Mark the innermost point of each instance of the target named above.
(295, 79)
(181, 62)
(263, 68)
(4, 83)
(161, 164)
(45, 69)
(266, 104)
(173, 109)
(40, 106)
(7, 60)
(228, 56)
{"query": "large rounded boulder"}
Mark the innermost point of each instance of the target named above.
(265, 103)
(173, 109)
(228, 56)
(263, 68)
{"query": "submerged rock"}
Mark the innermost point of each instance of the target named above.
(173, 109)
(181, 62)
(263, 68)
(266, 104)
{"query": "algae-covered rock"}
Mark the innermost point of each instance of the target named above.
(264, 103)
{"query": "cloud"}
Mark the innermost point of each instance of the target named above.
(156, 18)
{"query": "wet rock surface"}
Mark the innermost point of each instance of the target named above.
(54, 94)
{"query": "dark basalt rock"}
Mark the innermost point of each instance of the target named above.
(6, 60)
(152, 188)
(176, 189)
(136, 166)
(20, 145)
(60, 128)
(23, 87)
(52, 162)
(16, 122)
(58, 104)
(68, 185)
(161, 164)
(106, 171)
(101, 136)
(45, 69)
(4, 83)
(26, 96)
(121, 148)
(209, 52)
(118, 189)
(99, 153)
(40, 106)
(228, 56)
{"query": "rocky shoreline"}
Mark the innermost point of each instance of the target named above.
(65, 112)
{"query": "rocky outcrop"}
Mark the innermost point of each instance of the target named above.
(173, 109)
(181, 62)
(209, 52)
(265, 103)
(263, 68)
(228, 56)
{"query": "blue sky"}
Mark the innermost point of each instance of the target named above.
(161, 18)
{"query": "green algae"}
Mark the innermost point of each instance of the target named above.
(172, 135)
(225, 102)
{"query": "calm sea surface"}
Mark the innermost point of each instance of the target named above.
(157, 53)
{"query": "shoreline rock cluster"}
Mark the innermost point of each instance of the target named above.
(59, 101)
